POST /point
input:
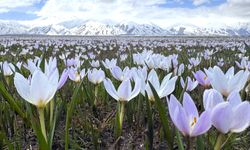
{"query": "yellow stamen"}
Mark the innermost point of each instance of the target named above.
(194, 121)
(205, 78)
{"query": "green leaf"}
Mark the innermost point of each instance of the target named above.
(200, 143)
(43, 145)
(150, 132)
(11, 101)
(163, 117)
(5, 141)
(179, 141)
(70, 109)
(42, 64)
(52, 128)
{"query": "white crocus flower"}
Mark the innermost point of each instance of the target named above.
(120, 74)
(124, 91)
(96, 76)
(7, 68)
(166, 87)
(40, 89)
(227, 82)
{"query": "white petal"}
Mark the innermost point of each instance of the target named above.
(124, 90)
(110, 88)
(22, 86)
(40, 88)
(241, 117)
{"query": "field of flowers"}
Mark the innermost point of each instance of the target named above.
(124, 93)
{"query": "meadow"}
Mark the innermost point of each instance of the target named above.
(124, 92)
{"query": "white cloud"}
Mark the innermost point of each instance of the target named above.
(145, 11)
(3, 10)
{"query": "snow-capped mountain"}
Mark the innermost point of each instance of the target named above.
(12, 28)
(140, 29)
(80, 27)
(210, 31)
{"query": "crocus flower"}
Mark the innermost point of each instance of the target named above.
(244, 64)
(7, 68)
(19, 65)
(202, 78)
(108, 64)
(73, 62)
(191, 84)
(186, 118)
(166, 87)
(228, 116)
(40, 89)
(123, 57)
(211, 98)
(208, 54)
(120, 74)
(181, 69)
(33, 65)
(63, 79)
(75, 75)
(228, 82)
(124, 91)
(194, 61)
(141, 74)
(96, 76)
(95, 64)
(221, 62)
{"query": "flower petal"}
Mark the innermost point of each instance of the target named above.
(22, 86)
(234, 98)
(137, 88)
(168, 88)
(178, 115)
(203, 124)
(110, 89)
(211, 98)
(222, 117)
(189, 107)
(124, 90)
(40, 88)
(241, 117)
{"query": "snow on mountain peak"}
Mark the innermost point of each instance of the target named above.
(92, 27)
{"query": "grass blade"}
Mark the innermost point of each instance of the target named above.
(163, 117)
(70, 109)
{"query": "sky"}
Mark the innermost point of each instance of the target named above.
(160, 12)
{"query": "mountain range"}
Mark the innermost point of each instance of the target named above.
(78, 27)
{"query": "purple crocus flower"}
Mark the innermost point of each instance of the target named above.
(191, 84)
(63, 79)
(186, 118)
(202, 78)
(227, 116)
(194, 61)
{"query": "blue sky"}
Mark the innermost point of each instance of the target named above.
(23, 12)
(190, 4)
(161, 12)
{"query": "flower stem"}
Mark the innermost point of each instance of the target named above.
(51, 111)
(179, 140)
(96, 93)
(219, 142)
(42, 122)
(119, 119)
(189, 143)
(121, 113)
